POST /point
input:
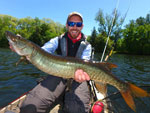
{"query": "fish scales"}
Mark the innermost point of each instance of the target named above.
(66, 68)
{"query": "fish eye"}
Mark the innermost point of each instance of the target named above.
(13, 39)
(18, 36)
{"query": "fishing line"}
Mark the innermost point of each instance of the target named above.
(110, 29)
(108, 39)
(115, 41)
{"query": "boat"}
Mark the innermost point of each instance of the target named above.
(14, 106)
(111, 102)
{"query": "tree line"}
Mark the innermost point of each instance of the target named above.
(36, 30)
(133, 38)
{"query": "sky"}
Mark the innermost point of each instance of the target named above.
(58, 10)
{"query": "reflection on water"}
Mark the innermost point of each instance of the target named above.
(14, 81)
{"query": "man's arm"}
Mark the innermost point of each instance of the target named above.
(51, 45)
(87, 52)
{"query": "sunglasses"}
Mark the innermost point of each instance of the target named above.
(72, 24)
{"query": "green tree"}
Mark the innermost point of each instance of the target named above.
(137, 36)
(105, 25)
(100, 42)
(36, 30)
(129, 36)
(6, 23)
(105, 21)
(92, 38)
(140, 21)
(148, 18)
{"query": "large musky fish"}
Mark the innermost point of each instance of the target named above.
(65, 67)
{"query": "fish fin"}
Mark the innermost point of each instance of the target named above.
(102, 88)
(106, 64)
(22, 59)
(111, 65)
(133, 91)
(138, 92)
(129, 99)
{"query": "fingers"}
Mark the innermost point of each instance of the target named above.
(81, 76)
(86, 76)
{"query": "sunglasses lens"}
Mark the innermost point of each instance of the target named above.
(78, 24)
(71, 24)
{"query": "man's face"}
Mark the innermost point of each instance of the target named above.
(74, 31)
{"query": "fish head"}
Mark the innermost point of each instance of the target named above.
(19, 44)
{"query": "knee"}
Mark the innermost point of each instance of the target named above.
(28, 109)
(75, 107)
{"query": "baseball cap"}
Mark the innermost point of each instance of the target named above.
(75, 13)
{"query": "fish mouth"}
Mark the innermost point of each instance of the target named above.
(7, 35)
(10, 37)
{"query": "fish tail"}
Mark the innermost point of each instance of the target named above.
(133, 91)
(137, 91)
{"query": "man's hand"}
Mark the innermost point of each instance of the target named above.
(81, 76)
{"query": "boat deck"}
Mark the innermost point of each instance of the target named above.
(14, 107)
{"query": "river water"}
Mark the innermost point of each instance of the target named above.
(16, 80)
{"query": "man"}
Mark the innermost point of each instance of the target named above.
(76, 100)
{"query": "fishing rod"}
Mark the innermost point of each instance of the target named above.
(110, 30)
(115, 41)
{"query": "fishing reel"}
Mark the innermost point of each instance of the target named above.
(97, 107)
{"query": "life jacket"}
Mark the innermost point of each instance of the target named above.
(67, 48)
